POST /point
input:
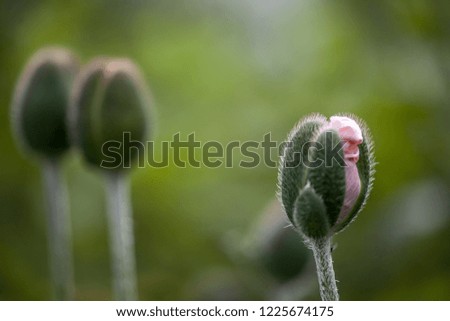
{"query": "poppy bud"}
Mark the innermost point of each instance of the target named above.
(41, 100)
(326, 173)
(109, 101)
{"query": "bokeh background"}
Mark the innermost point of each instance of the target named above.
(235, 70)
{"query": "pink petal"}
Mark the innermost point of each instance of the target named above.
(351, 136)
(348, 129)
(352, 189)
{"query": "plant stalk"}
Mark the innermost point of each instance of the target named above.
(59, 230)
(325, 272)
(121, 236)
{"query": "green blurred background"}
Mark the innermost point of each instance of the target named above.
(235, 70)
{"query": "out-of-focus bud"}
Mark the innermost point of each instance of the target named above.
(326, 173)
(275, 247)
(109, 119)
(272, 248)
(41, 101)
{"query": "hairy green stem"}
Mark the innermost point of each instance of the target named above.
(325, 273)
(59, 231)
(121, 236)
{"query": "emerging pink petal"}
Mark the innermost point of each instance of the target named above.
(350, 134)
(352, 189)
(351, 137)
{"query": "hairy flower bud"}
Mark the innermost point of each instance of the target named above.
(325, 173)
(110, 103)
(41, 100)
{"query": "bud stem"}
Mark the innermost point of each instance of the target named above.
(59, 233)
(121, 236)
(325, 272)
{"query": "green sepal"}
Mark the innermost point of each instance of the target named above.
(41, 99)
(292, 172)
(310, 214)
(327, 172)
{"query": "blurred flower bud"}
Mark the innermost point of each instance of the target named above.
(273, 254)
(110, 103)
(275, 247)
(41, 100)
(326, 173)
